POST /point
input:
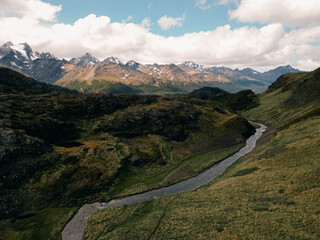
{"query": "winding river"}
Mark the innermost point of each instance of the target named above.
(74, 230)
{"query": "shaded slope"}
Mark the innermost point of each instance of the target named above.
(14, 81)
(242, 100)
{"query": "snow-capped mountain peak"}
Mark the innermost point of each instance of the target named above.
(22, 51)
(85, 59)
(194, 65)
(133, 64)
(44, 55)
(42, 66)
(7, 45)
(113, 60)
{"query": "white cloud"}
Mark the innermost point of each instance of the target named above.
(202, 4)
(166, 22)
(287, 12)
(127, 19)
(226, 2)
(259, 48)
(31, 9)
(146, 23)
(205, 4)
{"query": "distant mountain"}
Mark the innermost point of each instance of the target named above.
(87, 73)
(132, 64)
(85, 59)
(153, 78)
(44, 67)
(113, 60)
(109, 76)
(268, 76)
(191, 65)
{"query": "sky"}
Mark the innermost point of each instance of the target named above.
(261, 34)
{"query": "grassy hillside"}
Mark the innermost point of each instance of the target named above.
(240, 101)
(271, 193)
(60, 149)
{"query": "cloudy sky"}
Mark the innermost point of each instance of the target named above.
(261, 34)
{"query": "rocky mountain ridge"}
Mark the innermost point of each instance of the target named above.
(84, 70)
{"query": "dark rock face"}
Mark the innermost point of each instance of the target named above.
(47, 69)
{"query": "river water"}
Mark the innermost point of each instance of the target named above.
(74, 230)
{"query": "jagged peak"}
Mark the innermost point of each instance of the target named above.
(194, 65)
(26, 45)
(188, 63)
(286, 68)
(132, 64)
(88, 55)
(113, 60)
(44, 55)
(7, 44)
(86, 58)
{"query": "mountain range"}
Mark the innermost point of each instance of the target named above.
(89, 74)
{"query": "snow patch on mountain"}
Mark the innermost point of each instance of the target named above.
(113, 60)
(194, 65)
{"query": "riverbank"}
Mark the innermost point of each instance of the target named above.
(74, 230)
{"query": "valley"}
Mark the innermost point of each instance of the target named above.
(76, 226)
(148, 120)
(61, 148)
(271, 193)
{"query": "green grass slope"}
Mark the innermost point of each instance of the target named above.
(60, 149)
(271, 193)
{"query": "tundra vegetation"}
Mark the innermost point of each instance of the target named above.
(271, 193)
(60, 149)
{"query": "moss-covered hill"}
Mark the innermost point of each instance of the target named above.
(240, 101)
(272, 193)
(60, 149)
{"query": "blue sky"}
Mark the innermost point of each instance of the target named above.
(196, 19)
(261, 34)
